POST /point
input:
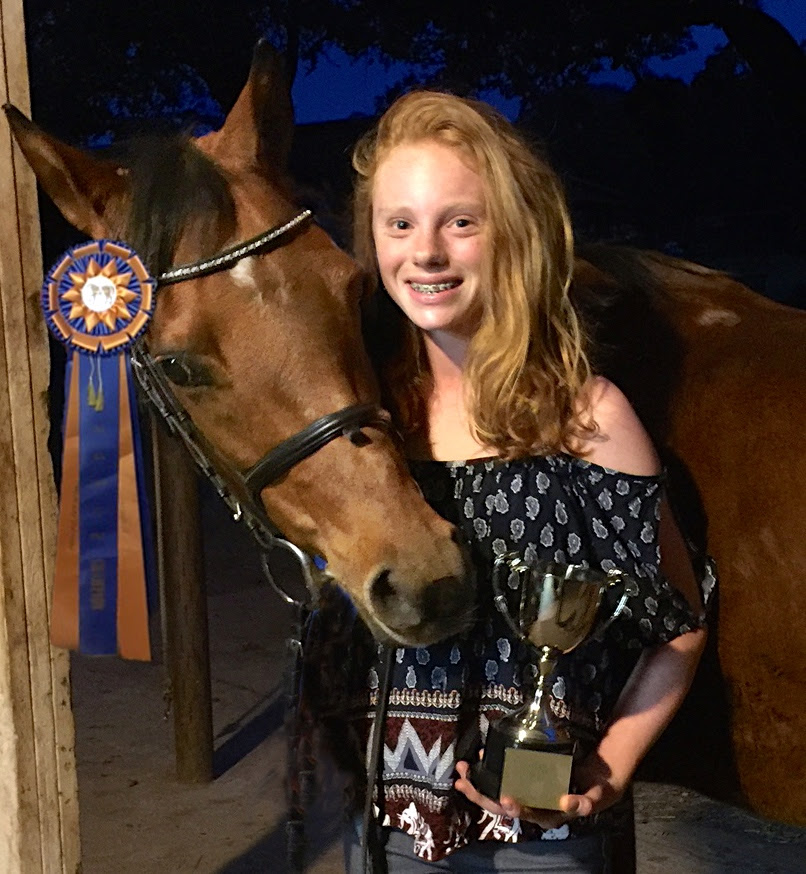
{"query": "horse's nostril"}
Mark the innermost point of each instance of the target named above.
(397, 609)
(440, 602)
(382, 589)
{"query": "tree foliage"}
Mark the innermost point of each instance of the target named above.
(95, 64)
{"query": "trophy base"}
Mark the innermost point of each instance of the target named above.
(535, 771)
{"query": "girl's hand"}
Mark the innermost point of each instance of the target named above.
(598, 795)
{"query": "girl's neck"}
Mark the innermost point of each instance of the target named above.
(449, 435)
(446, 358)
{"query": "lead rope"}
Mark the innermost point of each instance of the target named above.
(372, 838)
(298, 769)
(300, 764)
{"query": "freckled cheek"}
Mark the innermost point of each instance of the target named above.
(473, 250)
(389, 260)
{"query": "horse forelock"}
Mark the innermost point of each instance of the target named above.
(174, 188)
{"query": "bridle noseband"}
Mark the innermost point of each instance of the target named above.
(241, 490)
(344, 423)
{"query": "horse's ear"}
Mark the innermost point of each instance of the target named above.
(260, 126)
(81, 185)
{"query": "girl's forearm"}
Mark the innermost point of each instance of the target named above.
(650, 699)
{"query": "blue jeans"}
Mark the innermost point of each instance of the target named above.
(583, 855)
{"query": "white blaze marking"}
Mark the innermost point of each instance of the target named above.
(241, 272)
(710, 317)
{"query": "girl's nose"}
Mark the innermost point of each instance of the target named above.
(429, 250)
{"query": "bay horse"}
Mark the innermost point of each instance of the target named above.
(268, 345)
(718, 375)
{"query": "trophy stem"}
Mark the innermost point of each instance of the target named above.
(527, 755)
(535, 715)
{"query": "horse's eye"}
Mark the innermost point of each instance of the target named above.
(184, 372)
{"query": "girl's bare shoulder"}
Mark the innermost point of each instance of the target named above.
(620, 441)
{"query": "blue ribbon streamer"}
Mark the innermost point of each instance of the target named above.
(98, 504)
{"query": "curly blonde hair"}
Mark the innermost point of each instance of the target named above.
(526, 364)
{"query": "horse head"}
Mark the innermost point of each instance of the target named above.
(257, 351)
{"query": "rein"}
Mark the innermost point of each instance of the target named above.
(240, 491)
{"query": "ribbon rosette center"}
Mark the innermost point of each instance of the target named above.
(100, 294)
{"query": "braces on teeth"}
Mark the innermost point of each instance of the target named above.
(432, 289)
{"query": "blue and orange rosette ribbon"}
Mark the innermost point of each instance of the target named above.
(98, 299)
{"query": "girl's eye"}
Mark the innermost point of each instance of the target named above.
(401, 225)
(463, 223)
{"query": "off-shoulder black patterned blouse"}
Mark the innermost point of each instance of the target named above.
(559, 508)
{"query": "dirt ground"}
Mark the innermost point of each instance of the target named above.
(137, 819)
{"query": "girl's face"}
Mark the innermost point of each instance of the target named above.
(429, 225)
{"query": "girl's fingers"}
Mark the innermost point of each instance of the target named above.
(571, 806)
(467, 789)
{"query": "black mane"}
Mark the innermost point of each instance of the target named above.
(172, 185)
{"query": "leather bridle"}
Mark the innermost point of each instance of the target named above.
(240, 490)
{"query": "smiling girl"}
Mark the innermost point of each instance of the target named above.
(511, 437)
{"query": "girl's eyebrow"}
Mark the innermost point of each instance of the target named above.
(461, 206)
(389, 210)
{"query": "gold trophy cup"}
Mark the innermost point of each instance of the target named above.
(552, 607)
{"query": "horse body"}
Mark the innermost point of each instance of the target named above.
(718, 374)
(737, 421)
(261, 350)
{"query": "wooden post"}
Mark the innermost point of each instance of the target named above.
(38, 792)
(184, 606)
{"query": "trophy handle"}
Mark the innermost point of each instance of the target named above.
(615, 576)
(515, 565)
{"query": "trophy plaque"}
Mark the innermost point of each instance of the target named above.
(553, 608)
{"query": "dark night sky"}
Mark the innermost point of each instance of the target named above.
(338, 88)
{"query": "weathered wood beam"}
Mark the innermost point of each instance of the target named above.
(38, 791)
